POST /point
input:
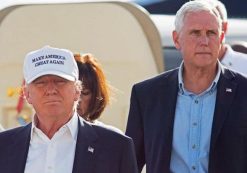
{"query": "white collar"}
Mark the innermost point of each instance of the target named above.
(227, 59)
(72, 125)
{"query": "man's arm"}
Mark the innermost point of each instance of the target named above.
(128, 161)
(135, 129)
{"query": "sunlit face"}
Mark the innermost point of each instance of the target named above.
(199, 40)
(86, 96)
(52, 96)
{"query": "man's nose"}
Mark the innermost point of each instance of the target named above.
(204, 40)
(51, 87)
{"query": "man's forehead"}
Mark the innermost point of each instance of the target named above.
(203, 18)
(199, 14)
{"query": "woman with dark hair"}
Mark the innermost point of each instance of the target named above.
(95, 89)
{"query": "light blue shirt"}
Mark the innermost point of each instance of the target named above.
(192, 128)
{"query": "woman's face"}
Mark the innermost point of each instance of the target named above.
(84, 102)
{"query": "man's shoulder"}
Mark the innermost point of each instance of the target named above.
(159, 79)
(111, 134)
(106, 132)
(108, 127)
(11, 134)
(234, 76)
(12, 131)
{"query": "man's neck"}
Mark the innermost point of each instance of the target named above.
(222, 52)
(50, 126)
(199, 80)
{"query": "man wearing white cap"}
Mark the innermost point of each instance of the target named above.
(58, 140)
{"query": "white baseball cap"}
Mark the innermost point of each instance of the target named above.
(50, 61)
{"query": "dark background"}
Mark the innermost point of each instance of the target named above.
(235, 8)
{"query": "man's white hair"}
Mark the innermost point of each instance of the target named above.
(195, 6)
(221, 8)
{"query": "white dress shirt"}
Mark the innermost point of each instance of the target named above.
(1, 128)
(235, 60)
(55, 155)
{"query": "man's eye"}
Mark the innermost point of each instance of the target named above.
(195, 32)
(60, 82)
(211, 33)
(39, 83)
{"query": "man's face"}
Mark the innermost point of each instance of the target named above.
(199, 39)
(52, 96)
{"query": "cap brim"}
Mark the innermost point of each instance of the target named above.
(56, 73)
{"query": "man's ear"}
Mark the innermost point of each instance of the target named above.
(26, 94)
(77, 94)
(225, 27)
(175, 37)
(222, 37)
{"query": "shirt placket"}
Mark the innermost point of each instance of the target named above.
(50, 157)
(194, 133)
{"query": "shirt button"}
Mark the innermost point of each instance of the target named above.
(194, 146)
(193, 167)
(196, 101)
(194, 124)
